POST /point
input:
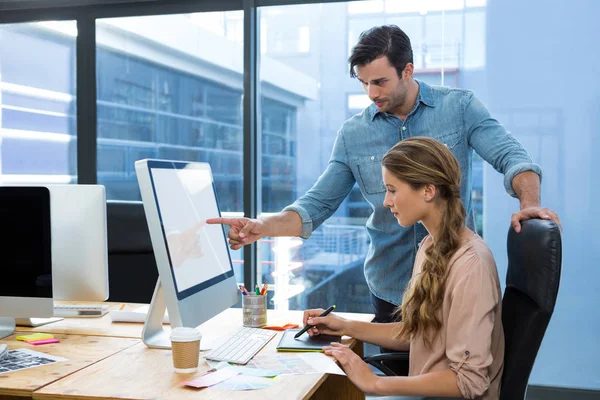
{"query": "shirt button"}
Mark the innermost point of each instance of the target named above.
(403, 128)
(467, 353)
(372, 157)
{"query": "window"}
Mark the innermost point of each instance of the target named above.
(282, 36)
(170, 87)
(365, 7)
(297, 136)
(38, 132)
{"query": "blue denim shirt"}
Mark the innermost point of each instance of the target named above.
(453, 116)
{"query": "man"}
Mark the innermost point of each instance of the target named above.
(402, 107)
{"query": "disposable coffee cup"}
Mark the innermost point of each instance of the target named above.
(185, 346)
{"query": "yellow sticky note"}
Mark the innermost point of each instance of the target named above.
(35, 336)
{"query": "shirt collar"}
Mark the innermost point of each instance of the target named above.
(424, 96)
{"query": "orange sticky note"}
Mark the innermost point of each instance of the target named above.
(281, 327)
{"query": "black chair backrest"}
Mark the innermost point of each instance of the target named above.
(131, 263)
(532, 281)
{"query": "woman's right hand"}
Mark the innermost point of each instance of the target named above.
(329, 325)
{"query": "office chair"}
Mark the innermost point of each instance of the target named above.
(132, 268)
(532, 282)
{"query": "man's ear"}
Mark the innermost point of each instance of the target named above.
(429, 192)
(408, 71)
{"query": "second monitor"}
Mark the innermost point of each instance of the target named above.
(79, 242)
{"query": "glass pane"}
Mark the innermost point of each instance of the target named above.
(474, 49)
(365, 7)
(443, 47)
(170, 87)
(422, 6)
(475, 3)
(557, 121)
(38, 122)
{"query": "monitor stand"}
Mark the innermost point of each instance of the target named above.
(7, 326)
(33, 322)
(153, 334)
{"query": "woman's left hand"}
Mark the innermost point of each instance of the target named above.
(355, 368)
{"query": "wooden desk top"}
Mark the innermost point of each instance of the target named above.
(142, 373)
(102, 326)
(80, 351)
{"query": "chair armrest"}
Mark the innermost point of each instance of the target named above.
(378, 360)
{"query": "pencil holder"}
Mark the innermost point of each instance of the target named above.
(254, 309)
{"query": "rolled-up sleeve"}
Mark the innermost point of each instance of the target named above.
(494, 143)
(470, 325)
(326, 195)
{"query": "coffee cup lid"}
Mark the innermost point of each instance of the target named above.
(184, 334)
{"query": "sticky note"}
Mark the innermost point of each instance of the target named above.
(44, 341)
(281, 327)
(35, 336)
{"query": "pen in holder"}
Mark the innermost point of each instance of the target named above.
(254, 309)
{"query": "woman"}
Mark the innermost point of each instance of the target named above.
(451, 310)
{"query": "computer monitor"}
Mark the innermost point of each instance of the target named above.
(79, 242)
(196, 279)
(25, 255)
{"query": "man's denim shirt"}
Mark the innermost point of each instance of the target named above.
(453, 116)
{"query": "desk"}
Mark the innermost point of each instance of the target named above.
(80, 351)
(142, 373)
(102, 326)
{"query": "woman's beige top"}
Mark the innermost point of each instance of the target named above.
(471, 340)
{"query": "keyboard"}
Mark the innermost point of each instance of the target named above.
(137, 315)
(241, 346)
(80, 310)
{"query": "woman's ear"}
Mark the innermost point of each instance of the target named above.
(429, 192)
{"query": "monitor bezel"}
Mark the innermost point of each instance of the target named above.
(175, 165)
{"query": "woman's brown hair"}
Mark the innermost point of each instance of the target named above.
(421, 161)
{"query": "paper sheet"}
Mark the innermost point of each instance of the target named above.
(24, 358)
(288, 364)
(244, 370)
(212, 378)
(322, 363)
(249, 371)
(244, 382)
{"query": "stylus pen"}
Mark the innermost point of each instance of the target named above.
(307, 327)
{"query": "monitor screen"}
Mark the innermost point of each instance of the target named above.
(25, 252)
(185, 196)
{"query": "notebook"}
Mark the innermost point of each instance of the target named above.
(304, 342)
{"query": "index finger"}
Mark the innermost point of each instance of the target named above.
(226, 221)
